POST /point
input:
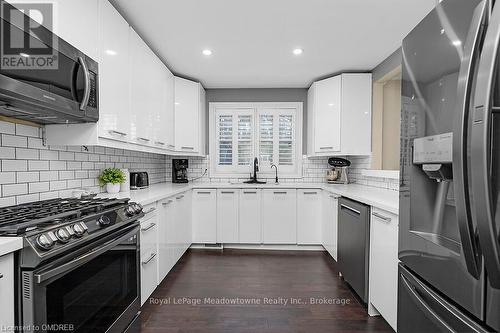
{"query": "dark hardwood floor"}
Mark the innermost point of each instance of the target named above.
(205, 276)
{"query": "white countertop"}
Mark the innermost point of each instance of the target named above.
(381, 198)
(10, 244)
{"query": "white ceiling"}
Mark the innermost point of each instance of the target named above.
(252, 40)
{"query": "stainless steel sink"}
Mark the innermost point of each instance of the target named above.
(254, 181)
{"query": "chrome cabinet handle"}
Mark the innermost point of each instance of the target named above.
(249, 192)
(151, 257)
(152, 225)
(180, 197)
(351, 209)
(382, 217)
(280, 192)
(309, 193)
(160, 143)
(324, 148)
(167, 202)
(143, 139)
(117, 132)
(152, 209)
(86, 77)
(227, 192)
(187, 148)
(203, 192)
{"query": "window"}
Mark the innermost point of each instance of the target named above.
(239, 132)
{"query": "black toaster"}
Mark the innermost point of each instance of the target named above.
(139, 180)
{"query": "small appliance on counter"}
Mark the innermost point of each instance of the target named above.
(339, 174)
(179, 170)
(139, 180)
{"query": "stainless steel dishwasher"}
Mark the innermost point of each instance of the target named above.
(354, 245)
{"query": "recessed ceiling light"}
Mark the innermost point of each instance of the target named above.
(298, 51)
(111, 52)
(177, 103)
(457, 42)
(442, 31)
(207, 52)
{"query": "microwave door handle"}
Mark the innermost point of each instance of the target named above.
(83, 259)
(460, 138)
(481, 149)
(86, 77)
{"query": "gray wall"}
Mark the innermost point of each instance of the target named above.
(262, 95)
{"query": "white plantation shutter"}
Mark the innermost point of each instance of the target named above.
(245, 139)
(286, 148)
(266, 138)
(225, 141)
(244, 132)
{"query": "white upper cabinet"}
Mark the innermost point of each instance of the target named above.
(114, 83)
(168, 120)
(189, 124)
(339, 115)
(143, 102)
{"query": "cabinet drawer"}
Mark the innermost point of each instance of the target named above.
(149, 272)
(149, 234)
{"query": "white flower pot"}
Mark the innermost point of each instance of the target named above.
(112, 188)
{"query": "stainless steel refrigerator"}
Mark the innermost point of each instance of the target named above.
(449, 248)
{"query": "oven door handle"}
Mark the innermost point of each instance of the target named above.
(83, 259)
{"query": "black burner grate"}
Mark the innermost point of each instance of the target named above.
(17, 219)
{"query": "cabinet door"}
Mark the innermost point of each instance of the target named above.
(114, 74)
(142, 101)
(384, 264)
(7, 292)
(204, 216)
(279, 216)
(77, 23)
(183, 223)
(250, 226)
(187, 116)
(356, 114)
(327, 122)
(165, 230)
(330, 223)
(309, 217)
(227, 216)
(169, 121)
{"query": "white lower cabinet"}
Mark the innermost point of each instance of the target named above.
(7, 292)
(182, 224)
(227, 216)
(250, 224)
(205, 216)
(309, 216)
(383, 281)
(149, 252)
(165, 237)
(279, 216)
(329, 233)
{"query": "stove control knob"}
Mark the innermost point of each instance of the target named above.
(44, 242)
(103, 221)
(130, 210)
(78, 229)
(137, 208)
(62, 235)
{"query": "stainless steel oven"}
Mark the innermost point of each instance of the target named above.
(93, 289)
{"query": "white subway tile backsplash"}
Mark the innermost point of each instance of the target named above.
(75, 183)
(64, 175)
(27, 198)
(38, 187)
(14, 141)
(9, 201)
(48, 155)
(36, 143)
(6, 153)
(57, 185)
(14, 165)
(49, 175)
(27, 154)
(38, 165)
(25, 130)
(66, 156)
(27, 177)
(75, 165)
(14, 189)
(7, 177)
(8, 128)
(57, 165)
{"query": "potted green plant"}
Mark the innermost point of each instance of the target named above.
(112, 178)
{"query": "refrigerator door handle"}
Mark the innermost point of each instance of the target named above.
(460, 139)
(481, 159)
(420, 302)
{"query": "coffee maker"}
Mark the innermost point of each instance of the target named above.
(339, 174)
(179, 170)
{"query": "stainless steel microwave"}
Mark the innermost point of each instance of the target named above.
(52, 83)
